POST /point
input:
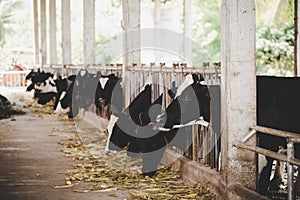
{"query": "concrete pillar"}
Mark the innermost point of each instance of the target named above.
(157, 12)
(36, 33)
(131, 26)
(89, 31)
(187, 30)
(66, 32)
(157, 17)
(52, 32)
(238, 89)
(43, 25)
(131, 41)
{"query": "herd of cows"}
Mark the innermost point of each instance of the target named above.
(145, 128)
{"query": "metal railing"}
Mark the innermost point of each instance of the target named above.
(13, 78)
(291, 138)
(203, 144)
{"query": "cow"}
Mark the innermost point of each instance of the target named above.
(277, 107)
(134, 116)
(191, 101)
(104, 91)
(37, 78)
(44, 86)
(85, 88)
(63, 86)
(66, 102)
(80, 93)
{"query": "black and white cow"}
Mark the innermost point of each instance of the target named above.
(85, 88)
(278, 107)
(80, 93)
(191, 101)
(63, 86)
(105, 89)
(43, 84)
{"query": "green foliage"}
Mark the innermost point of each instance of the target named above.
(116, 3)
(206, 31)
(7, 20)
(274, 12)
(274, 49)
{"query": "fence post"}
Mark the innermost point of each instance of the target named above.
(290, 170)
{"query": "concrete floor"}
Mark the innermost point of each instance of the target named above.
(31, 163)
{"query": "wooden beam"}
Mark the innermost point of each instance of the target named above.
(36, 33)
(52, 32)
(268, 153)
(89, 32)
(275, 132)
(66, 32)
(43, 25)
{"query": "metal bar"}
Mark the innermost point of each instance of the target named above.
(275, 132)
(290, 170)
(251, 133)
(295, 140)
(195, 145)
(268, 153)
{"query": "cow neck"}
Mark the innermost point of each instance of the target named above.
(187, 82)
(103, 81)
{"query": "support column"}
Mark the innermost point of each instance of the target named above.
(52, 32)
(89, 32)
(36, 33)
(131, 26)
(157, 16)
(66, 32)
(187, 31)
(43, 32)
(132, 43)
(238, 90)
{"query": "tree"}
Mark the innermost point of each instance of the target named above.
(275, 37)
(274, 12)
(206, 30)
(7, 8)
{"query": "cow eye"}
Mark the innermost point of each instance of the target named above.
(186, 98)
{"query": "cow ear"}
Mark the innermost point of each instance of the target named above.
(72, 78)
(172, 92)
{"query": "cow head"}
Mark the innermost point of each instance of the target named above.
(107, 85)
(85, 88)
(134, 120)
(192, 100)
(123, 124)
